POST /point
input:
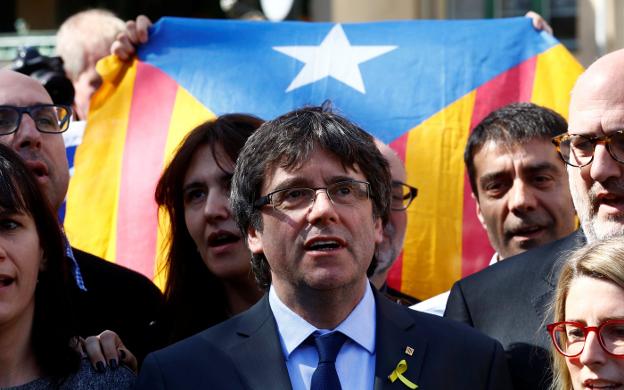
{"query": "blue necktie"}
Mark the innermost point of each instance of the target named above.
(325, 376)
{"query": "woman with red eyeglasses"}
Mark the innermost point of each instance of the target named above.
(588, 332)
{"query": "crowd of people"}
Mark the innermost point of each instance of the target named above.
(282, 235)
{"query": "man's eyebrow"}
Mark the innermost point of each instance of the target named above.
(541, 167)
(493, 176)
(298, 181)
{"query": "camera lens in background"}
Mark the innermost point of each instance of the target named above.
(48, 71)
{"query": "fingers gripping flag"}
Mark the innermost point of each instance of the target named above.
(418, 85)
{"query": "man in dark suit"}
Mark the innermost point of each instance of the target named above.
(107, 296)
(312, 192)
(508, 301)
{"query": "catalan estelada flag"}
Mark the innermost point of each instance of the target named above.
(418, 85)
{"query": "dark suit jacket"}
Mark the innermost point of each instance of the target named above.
(246, 351)
(117, 299)
(509, 302)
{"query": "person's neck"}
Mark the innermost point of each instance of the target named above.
(324, 309)
(378, 280)
(18, 364)
(241, 294)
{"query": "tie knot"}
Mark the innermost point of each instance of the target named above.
(328, 346)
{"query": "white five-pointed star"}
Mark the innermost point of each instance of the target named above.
(334, 57)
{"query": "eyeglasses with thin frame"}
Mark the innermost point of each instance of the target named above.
(569, 337)
(578, 150)
(345, 192)
(48, 118)
(402, 195)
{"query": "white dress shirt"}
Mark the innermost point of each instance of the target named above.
(355, 362)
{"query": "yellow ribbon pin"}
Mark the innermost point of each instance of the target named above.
(397, 373)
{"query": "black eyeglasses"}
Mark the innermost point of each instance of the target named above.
(48, 118)
(569, 337)
(402, 195)
(346, 192)
(578, 150)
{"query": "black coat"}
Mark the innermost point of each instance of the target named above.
(509, 302)
(245, 353)
(117, 299)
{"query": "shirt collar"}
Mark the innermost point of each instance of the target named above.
(73, 264)
(294, 330)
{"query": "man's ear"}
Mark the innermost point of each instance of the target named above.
(479, 214)
(254, 240)
(379, 228)
(43, 264)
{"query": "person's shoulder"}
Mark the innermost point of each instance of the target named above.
(88, 379)
(95, 269)
(454, 332)
(537, 261)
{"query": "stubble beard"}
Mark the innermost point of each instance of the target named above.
(587, 205)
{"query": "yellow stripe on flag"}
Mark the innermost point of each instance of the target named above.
(555, 67)
(434, 161)
(98, 157)
(187, 114)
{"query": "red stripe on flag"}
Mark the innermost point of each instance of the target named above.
(141, 167)
(394, 275)
(515, 85)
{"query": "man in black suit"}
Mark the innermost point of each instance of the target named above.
(312, 192)
(107, 296)
(509, 301)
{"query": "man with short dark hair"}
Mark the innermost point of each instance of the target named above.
(519, 183)
(509, 301)
(311, 192)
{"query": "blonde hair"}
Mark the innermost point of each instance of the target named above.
(94, 29)
(601, 260)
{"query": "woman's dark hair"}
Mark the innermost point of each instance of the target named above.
(53, 331)
(194, 297)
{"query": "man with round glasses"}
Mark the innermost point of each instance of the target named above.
(108, 296)
(312, 192)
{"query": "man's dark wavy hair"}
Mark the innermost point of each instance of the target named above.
(53, 330)
(287, 142)
(510, 125)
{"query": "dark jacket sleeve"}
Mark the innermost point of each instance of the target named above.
(456, 307)
(499, 376)
(150, 376)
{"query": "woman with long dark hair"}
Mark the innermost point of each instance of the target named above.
(37, 336)
(208, 263)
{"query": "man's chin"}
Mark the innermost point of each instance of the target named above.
(604, 228)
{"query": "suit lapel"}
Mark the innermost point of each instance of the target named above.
(395, 336)
(258, 357)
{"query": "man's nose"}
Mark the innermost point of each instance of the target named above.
(521, 197)
(322, 208)
(27, 136)
(603, 166)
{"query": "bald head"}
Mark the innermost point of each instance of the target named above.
(44, 153)
(597, 110)
(11, 83)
